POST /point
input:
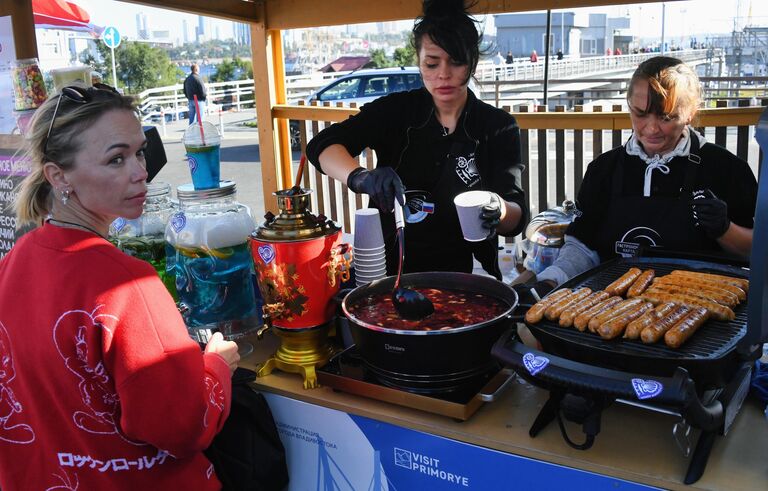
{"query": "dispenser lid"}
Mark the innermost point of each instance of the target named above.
(295, 221)
(548, 227)
(187, 192)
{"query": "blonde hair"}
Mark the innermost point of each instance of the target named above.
(673, 87)
(33, 201)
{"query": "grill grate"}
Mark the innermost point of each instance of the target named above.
(713, 340)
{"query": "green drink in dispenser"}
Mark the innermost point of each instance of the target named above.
(144, 237)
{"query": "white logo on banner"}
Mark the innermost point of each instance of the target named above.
(429, 466)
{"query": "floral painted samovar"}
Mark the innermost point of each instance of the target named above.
(300, 264)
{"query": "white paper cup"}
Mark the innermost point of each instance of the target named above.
(371, 273)
(369, 265)
(370, 257)
(469, 207)
(368, 234)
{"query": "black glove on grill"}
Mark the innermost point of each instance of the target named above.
(710, 213)
(382, 184)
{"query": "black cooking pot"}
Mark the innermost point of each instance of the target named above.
(437, 360)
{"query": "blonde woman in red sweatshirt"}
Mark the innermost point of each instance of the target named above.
(100, 385)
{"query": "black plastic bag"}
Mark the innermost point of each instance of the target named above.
(248, 454)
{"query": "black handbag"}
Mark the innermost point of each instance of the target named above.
(247, 454)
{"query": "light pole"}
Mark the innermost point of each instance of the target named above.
(562, 32)
(663, 15)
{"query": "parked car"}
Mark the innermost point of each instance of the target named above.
(360, 87)
(364, 86)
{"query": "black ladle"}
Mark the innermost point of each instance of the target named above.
(409, 304)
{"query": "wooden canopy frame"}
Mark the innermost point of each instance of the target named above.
(267, 19)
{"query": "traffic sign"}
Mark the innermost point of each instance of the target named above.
(111, 37)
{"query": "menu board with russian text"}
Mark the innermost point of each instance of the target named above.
(13, 168)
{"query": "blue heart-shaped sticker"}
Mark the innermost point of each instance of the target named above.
(178, 221)
(534, 364)
(266, 253)
(119, 224)
(192, 163)
(646, 389)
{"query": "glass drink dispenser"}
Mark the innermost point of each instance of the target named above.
(210, 257)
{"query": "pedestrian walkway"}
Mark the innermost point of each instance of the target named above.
(240, 161)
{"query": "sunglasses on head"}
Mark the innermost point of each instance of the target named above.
(78, 95)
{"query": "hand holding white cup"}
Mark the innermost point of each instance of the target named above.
(469, 207)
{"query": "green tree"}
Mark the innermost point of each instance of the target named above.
(139, 66)
(405, 56)
(235, 69)
(379, 59)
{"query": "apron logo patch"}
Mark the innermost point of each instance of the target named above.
(467, 170)
(534, 364)
(418, 205)
(629, 245)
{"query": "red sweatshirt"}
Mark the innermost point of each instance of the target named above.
(100, 385)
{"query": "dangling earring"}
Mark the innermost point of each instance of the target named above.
(65, 197)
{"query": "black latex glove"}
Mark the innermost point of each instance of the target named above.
(382, 184)
(710, 213)
(491, 215)
(526, 296)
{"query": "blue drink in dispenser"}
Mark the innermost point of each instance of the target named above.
(212, 263)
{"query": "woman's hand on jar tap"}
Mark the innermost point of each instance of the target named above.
(225, 349)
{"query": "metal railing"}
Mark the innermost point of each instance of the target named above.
(239, 94)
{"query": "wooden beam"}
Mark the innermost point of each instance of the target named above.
(262, 79)
(292, 14)
(742, 116)
(23, 26)
(235, 10)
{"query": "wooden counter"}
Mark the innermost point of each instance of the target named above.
(634, 444)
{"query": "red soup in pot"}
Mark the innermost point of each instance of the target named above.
(453, 308)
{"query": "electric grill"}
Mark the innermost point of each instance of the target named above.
(704, 382)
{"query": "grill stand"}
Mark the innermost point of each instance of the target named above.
(580, 392)
(586, 410)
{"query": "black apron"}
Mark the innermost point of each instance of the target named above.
(635, 222)
(433, 173)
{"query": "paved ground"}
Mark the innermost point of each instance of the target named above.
(240, 159)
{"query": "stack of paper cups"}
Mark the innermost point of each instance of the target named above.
(369, 259)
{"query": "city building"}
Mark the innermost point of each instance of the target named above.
(576, 34)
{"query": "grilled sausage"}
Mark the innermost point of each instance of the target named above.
(655, 331)
(536, 312)
(717, 311)
(570, 313)
(635, 327)
(553, 311)
(620, 286)
(696, 283)
(620, 308)
(582, 320)
(675, 337)
(641, 283)
(717, 278)
(729, 295)
(722, 297)
(616, 325)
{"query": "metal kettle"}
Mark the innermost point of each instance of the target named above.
(545, 234)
